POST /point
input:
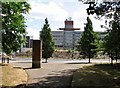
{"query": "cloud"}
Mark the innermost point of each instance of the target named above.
(79, 13)
(79, 17)
(35, 17)
(31, 20)
(51, 9)
(57, 11)
(33, 32)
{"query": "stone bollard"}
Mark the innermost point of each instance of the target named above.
(37, 54)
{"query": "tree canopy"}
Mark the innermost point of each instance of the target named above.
(48, 44)
(112, 40)
(87, 44)
(13, 25)
(108, 10)
(104, 8)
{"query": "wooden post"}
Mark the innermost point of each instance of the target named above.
(37, 54)
(3, 60)
(7, 59)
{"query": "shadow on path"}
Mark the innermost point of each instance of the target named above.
(58, 79)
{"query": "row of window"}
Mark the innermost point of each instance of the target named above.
(57, 35)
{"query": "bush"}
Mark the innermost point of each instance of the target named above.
(28, 51)
(70, 51)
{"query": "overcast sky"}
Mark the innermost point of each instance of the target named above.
(57, 11)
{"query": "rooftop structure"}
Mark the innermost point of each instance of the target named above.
(68, 33)
(69, 25)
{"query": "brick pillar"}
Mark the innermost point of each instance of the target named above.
(37, 54)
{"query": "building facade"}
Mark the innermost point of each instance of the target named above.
(29, 42)
(66, 37)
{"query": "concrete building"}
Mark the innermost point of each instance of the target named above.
(28, 44)
(58, 38)
(66, 40)
(67, 36)
(29, 41)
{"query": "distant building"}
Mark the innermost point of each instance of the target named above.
(66, 40)
(28, 44)
(67, 37)
(29, 41)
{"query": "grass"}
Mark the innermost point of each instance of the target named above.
(12, 76)
(97, 76)
(24, 56)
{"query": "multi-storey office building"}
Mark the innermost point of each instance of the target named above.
(29, 41)
(65, 39)
(67, 36)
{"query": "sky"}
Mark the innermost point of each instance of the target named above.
(57, 11)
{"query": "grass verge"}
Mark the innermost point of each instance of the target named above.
(97, 76)
(23, 56)
(12, 76)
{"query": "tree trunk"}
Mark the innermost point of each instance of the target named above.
(8, 59)
(46, 60)
(3, 60)
(72, 56)
(89, 54)
(112, 61)
(89, 57)
(116, 57)
(89, 60)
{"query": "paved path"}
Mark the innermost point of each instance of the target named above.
(57, 73)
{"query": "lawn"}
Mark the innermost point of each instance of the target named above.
(12, 76)
(97, 76)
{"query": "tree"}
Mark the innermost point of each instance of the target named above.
(13, 25)
(108, 10)
(112, 43)
(0, 28)
(48, 44)
(87, 44)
